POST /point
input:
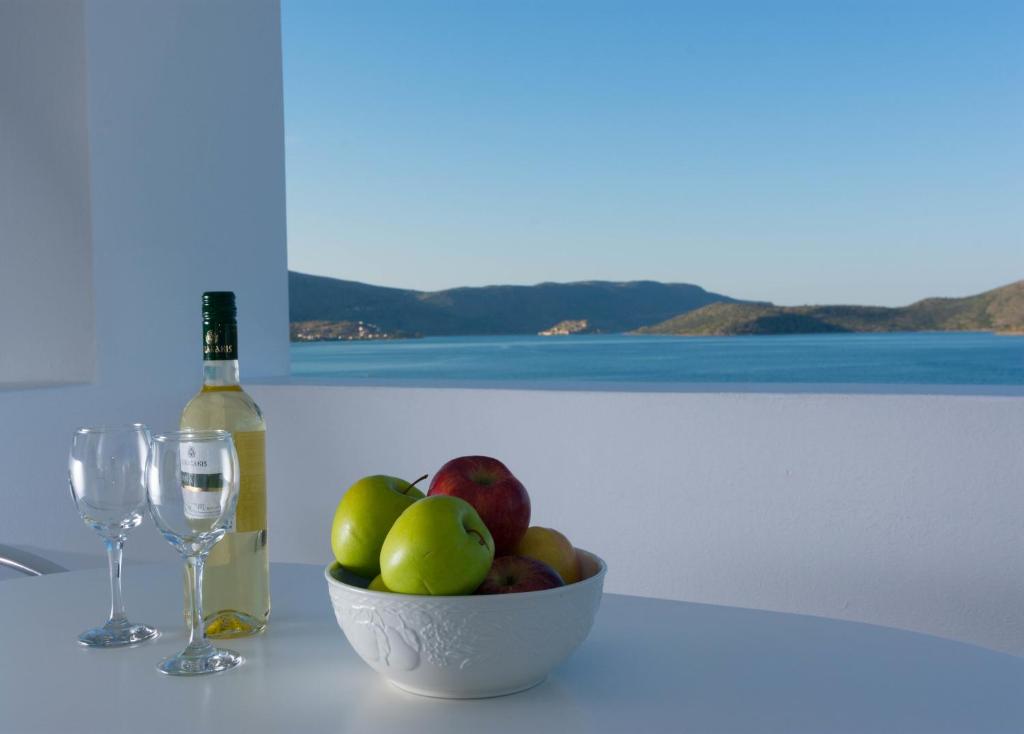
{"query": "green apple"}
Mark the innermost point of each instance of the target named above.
(438, 546)
(377, 584)
(364, 517)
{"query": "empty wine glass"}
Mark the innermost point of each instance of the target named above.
(106, 469)
(192, 488)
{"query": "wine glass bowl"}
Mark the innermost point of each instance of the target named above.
(106, 468)
(192, 491)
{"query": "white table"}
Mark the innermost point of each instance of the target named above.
(648, 666)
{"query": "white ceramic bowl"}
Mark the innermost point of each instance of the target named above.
(466, 646)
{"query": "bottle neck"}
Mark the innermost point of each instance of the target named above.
(220, 352)
(220, 373)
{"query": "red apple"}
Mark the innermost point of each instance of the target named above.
(498, 497)
(512, 574)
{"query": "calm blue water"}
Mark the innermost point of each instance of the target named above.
(929, 359)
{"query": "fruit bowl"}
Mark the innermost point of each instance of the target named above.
(466, 646)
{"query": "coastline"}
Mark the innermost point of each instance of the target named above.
(407, 337)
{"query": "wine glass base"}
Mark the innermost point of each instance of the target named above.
(117, 634)
(215, 662)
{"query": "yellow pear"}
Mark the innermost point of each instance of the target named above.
(552, 548)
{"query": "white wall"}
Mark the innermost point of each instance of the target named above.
(898, 510)
(47, 319)
(185, 147)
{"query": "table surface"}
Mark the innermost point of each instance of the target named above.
(648, 666)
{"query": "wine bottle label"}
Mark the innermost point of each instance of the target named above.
(251, 514)
(202, 482)
(220, 341)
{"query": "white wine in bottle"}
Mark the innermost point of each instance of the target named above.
(236, 578)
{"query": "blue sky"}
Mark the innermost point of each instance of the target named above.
(814, 152)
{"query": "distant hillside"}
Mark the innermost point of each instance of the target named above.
(999, 310)
(502, 309)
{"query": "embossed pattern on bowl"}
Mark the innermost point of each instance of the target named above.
(466, 646)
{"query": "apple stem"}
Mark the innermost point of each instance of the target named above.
(413, 484)
(478, 535)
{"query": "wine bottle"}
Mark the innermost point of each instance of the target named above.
(236, 580)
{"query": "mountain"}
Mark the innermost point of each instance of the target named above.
(1000, 310)
(499, 309)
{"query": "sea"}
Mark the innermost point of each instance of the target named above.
(932, 358)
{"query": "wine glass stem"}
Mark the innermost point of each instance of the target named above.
(115, 551)
(197, 643)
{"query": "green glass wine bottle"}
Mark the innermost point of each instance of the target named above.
(236, 580)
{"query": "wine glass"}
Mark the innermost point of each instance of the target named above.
(106, 468)
(192, 488)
